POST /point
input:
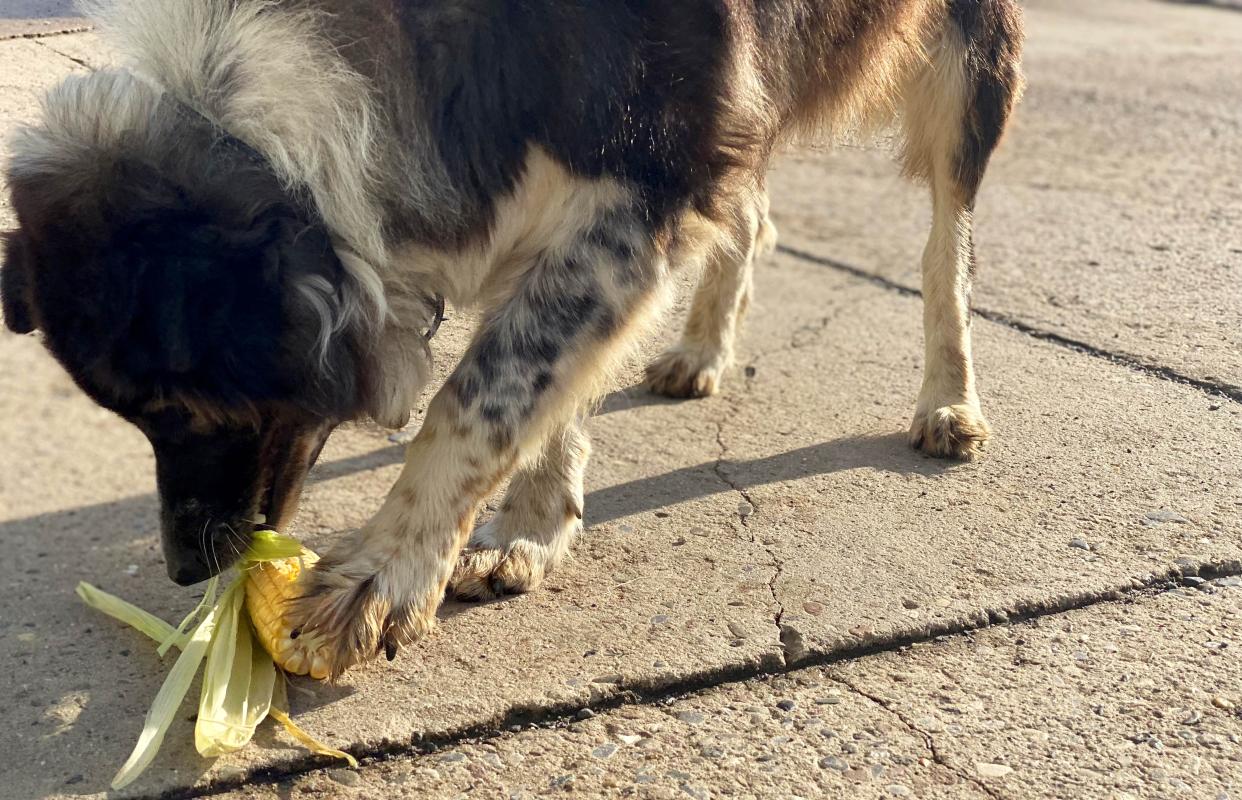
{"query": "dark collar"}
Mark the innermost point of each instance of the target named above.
(224, 139)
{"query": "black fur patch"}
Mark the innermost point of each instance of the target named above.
(632, 90)
(171, 283)
(559, 307)
(185, 284)
(15, 285)
(992, 32)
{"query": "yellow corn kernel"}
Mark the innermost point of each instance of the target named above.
(269, 586)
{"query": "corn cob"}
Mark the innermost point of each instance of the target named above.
(269, 586)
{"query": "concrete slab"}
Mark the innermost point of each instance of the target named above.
(871, 544)
(1123, 700)
(679, 579)
(1119, 701)
(797, 736)
(789, 501)
(1113, 212)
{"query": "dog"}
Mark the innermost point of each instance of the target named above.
(247, 235)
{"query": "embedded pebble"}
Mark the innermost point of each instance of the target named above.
(345, 777)
(1080, 543)
(584, 714)
(832, 762)
(605, 750)
(1188, 566)
(786, 705)
(989, 770)
(745, 509)
(691, 717)
(1166, 516)
(897, 790)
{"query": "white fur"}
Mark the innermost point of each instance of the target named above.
(267, 75)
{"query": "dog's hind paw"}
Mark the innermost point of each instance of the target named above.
(488, 573)
(686, 373)
(951, 431)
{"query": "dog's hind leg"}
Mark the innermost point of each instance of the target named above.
(955, 112)
(695, 366)
(538, 520)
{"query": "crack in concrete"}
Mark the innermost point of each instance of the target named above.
(928, 740)
(39, 41)
(777, 566)
(662, 691)
(1132, 362)
(36, 35)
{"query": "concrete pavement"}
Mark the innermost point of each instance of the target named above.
(1127, 714)
(783, 525)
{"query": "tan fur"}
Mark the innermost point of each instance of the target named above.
(866, 54)
(537, 523)
(695, 366)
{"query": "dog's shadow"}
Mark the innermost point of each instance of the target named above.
(94, 733)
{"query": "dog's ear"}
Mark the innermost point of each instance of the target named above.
(242, 314)
(15, 285)
(323, 320)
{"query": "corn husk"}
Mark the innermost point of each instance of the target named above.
(240, 687)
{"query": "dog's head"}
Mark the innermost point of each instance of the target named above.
(183, 287)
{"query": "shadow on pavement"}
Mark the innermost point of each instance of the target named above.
(888, 453)
(71, 528)
(123, 531)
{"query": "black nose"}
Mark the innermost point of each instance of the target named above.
(188, 573)
(191, 559)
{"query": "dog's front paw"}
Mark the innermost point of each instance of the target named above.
(950, 431)
(358, 607)
(685, 372)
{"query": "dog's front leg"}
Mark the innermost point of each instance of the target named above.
(536, 356)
